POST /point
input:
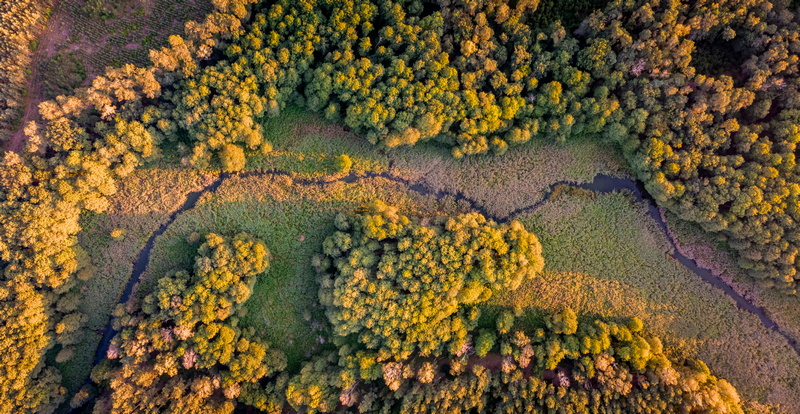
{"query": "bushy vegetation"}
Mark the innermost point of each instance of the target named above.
(562, 365)
(717, 150)
(631, 374)
(402, 287)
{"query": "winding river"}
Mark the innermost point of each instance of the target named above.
(601, 184)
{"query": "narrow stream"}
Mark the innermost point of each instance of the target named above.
(601, 184)
(140, 265)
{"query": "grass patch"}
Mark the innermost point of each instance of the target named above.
(502, 184)
(604, 256)
(306, 146)
(293, 220)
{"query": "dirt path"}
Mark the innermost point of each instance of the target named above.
(53, 34)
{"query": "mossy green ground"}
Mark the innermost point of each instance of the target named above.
(307, 146)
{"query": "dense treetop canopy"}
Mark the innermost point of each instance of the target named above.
(403, 287)
(181, 349)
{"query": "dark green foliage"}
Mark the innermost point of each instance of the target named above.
(403, 287)
(484, 343)
(474, 76)
(569, 12)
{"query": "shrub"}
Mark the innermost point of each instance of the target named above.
(343, 163)
(232, 158)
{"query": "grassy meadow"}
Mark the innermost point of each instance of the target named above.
(604, 255)
(305, 146)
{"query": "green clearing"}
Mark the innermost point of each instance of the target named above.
(305, 146)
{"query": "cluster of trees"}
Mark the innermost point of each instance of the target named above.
(65, 168)
(180, 349)
(402, 287)
(72, 160)
(18, 22)
(716, 146)
(472, 74)
(567, 365)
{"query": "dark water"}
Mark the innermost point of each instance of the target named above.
(600, 184)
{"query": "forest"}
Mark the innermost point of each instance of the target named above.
(700, 99)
